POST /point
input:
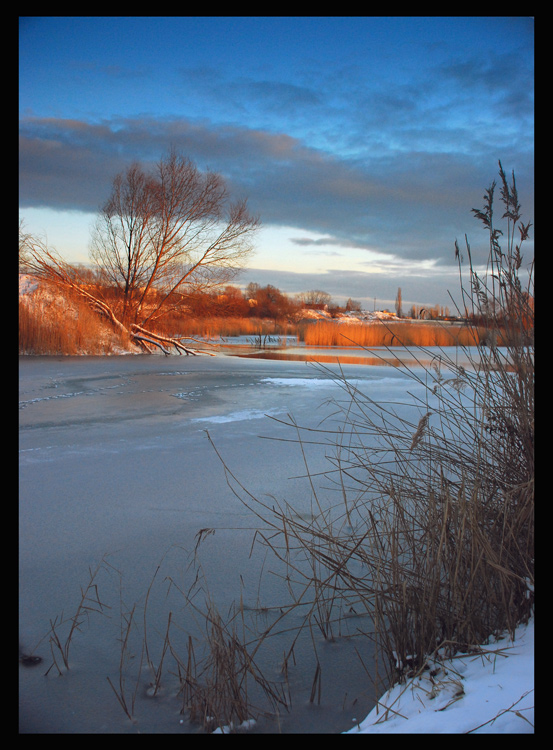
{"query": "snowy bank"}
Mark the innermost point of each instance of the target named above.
(488, 691)
(357, 316)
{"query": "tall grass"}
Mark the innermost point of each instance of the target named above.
(431, 527)
(55, 324)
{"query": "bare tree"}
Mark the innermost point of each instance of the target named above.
(315, 297)
(353, 305)
(121, 245)
(160, 237)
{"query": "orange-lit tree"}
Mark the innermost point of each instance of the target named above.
(160, 237)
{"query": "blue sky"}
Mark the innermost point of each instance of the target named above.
(361, 142)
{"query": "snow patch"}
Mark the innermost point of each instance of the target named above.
(309, 382)
(357, 316)
(365, 316)
(245, 726)
(490, 690)
(238, 416)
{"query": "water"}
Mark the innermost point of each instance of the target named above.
(116, 465)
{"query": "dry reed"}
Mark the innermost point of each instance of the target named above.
(90, 601)
(216, 328)
(52, 323)
(219, 685)
(389, 333)
(432, 529)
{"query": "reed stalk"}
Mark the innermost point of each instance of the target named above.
(431, 529)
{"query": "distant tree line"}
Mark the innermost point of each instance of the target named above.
(257, 301)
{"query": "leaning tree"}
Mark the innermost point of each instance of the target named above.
(161, 236)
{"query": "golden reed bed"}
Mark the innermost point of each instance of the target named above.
(393, 333)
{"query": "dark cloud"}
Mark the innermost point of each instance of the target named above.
(408, 204)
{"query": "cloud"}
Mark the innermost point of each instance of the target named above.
(409, 204)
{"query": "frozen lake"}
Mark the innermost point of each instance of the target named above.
(115, 464)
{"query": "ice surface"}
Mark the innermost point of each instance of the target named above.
(115, 461)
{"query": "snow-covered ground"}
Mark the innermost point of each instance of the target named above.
(114, 460)
(359, 316)
(488, 691)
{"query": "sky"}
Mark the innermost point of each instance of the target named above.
(362, 143)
